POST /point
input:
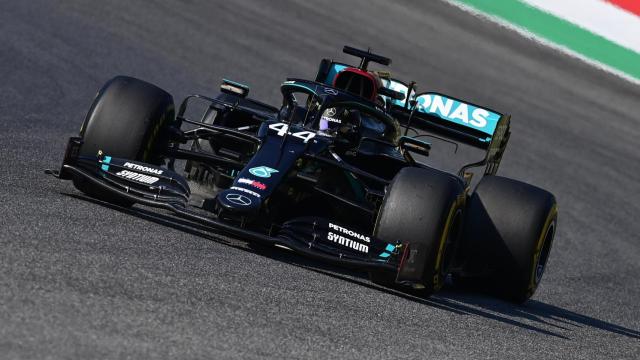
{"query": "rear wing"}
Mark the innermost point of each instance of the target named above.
(451, 117)
(460, 121)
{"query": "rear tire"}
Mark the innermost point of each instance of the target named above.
(126, 120)
(422, 208)
(509, 230)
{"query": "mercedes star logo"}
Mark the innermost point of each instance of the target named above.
(330, 91)
(238, 199)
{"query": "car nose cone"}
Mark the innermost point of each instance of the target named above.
(238, 202)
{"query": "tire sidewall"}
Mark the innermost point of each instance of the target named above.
(504, 234)
(434, 205)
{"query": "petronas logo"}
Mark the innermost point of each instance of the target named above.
(262, 171)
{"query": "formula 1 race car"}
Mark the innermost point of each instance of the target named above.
(331, 174)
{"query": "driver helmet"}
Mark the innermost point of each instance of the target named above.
(330, 119)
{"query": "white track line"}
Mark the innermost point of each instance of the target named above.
(542, 41)
(596, 16)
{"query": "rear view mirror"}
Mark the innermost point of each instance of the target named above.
(234, 88)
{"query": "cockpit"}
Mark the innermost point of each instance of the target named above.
(334, 112)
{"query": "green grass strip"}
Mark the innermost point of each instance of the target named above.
(562, 32)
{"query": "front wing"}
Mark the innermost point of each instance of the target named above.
(302, 235)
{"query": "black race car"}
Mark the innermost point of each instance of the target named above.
(331, 174)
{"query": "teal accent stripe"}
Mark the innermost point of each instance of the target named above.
(387, 251)
(106, 160)
(231, 82)
(300, 86)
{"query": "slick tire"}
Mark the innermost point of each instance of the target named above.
(508, 234)
(422, 208)
(127, 119)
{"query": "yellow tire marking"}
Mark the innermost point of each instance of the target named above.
(536, 254)
(437, 284)
(154, 133)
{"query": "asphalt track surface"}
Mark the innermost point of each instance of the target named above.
(81, 279)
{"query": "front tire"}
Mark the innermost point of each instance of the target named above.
(126, 120)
